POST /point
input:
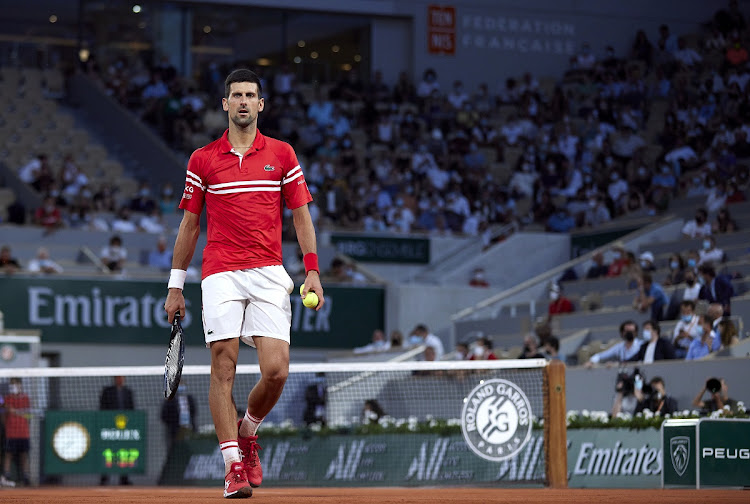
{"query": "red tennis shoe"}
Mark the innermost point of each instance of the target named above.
(249, 451)
(235, 483)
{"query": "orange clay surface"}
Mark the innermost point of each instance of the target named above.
(460, 495)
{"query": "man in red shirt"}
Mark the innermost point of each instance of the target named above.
(241, 179)
(558, 303)
(17, 444)
(48, 215)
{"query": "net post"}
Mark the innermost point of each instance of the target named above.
(555, 429)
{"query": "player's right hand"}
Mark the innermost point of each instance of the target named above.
(174, 303)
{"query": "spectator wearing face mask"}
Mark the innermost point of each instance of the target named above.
(379, 343)
(697, 227)
(709, 253)
(716, 288)
(619, 260)
(483, 350)
(651, 296)
(702, 344)
(676, 273)
(421, 335)
(686, 329)
(647, 262)
(558, 302)
(622, 351)
(653, 347)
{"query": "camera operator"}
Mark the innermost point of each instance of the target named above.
(621, 351)
(719, 397)
(625, 386)
(653, 396)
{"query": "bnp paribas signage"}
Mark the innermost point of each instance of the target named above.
(131, 312)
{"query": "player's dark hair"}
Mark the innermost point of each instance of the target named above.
(242, 75)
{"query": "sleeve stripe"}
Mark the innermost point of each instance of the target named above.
(287, 180)
(291, 172)
(194, 182)
(200, 181)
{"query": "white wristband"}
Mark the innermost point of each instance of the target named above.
(177, 279)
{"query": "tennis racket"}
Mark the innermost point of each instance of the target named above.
(175, 359)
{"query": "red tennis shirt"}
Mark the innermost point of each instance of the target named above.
(242, 195)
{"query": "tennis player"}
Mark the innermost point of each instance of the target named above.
(240, 179)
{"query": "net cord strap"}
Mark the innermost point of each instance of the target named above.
(354, 367)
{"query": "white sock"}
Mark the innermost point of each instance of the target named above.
(249, 425)
(230, 450)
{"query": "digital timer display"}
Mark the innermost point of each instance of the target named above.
(95, 442)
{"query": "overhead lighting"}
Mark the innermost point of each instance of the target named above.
(297, 59)
(263, 62)
(207, 29)
(357, 58)
(83, 55)
(314, 55)
(346, 67)
(335, 48)
(53, 19)
(136, 8)
(301, 43)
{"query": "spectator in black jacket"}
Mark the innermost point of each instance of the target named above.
(599, 268)
(716, 289)
(116, 397)
(179, 415)
(653, 347)
(656, 399)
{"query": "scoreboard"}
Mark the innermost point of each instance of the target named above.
(95, 442)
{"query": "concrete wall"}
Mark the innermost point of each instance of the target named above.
(508, 37)
(593, 389)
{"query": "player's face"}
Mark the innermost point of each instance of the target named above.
(243, 103)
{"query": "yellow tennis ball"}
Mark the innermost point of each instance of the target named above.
(311, 300)
(301, 289)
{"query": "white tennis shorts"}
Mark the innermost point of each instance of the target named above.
(247, 303)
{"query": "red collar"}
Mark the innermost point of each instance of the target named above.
(226, 147)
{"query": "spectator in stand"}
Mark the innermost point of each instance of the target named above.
(598, 268)
(161, 257)
(461, 351)
(703, 343)
(561, 221)
(122, 223)
(718, 399)
(153, 223)
(8, 264)
(622, 351)
(378, 344)
(531, 348)
(558, 302)
(428, 84)
(697, 227)
(686, 329)
(654, 347)
(483, 350)
(646, 260)
(724, 222)
(551, 348)
(651, 296)
(642, 49)
(29, 172)
(478, 278)
(114, 255)
(676, 273)
(736, 55)
(43, 264)
(585, 60)
(48, 215)
(715, 314)
(728, 333)
(709, 253)
(620, 260)
(686, 55)
(717, 197)
(667, 41)
(421, 335)
(716, 289)
(691, 292)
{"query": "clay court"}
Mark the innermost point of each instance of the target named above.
(62, 495)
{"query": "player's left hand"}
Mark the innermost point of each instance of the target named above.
(312, 283)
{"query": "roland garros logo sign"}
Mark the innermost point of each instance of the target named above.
(496, 419)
